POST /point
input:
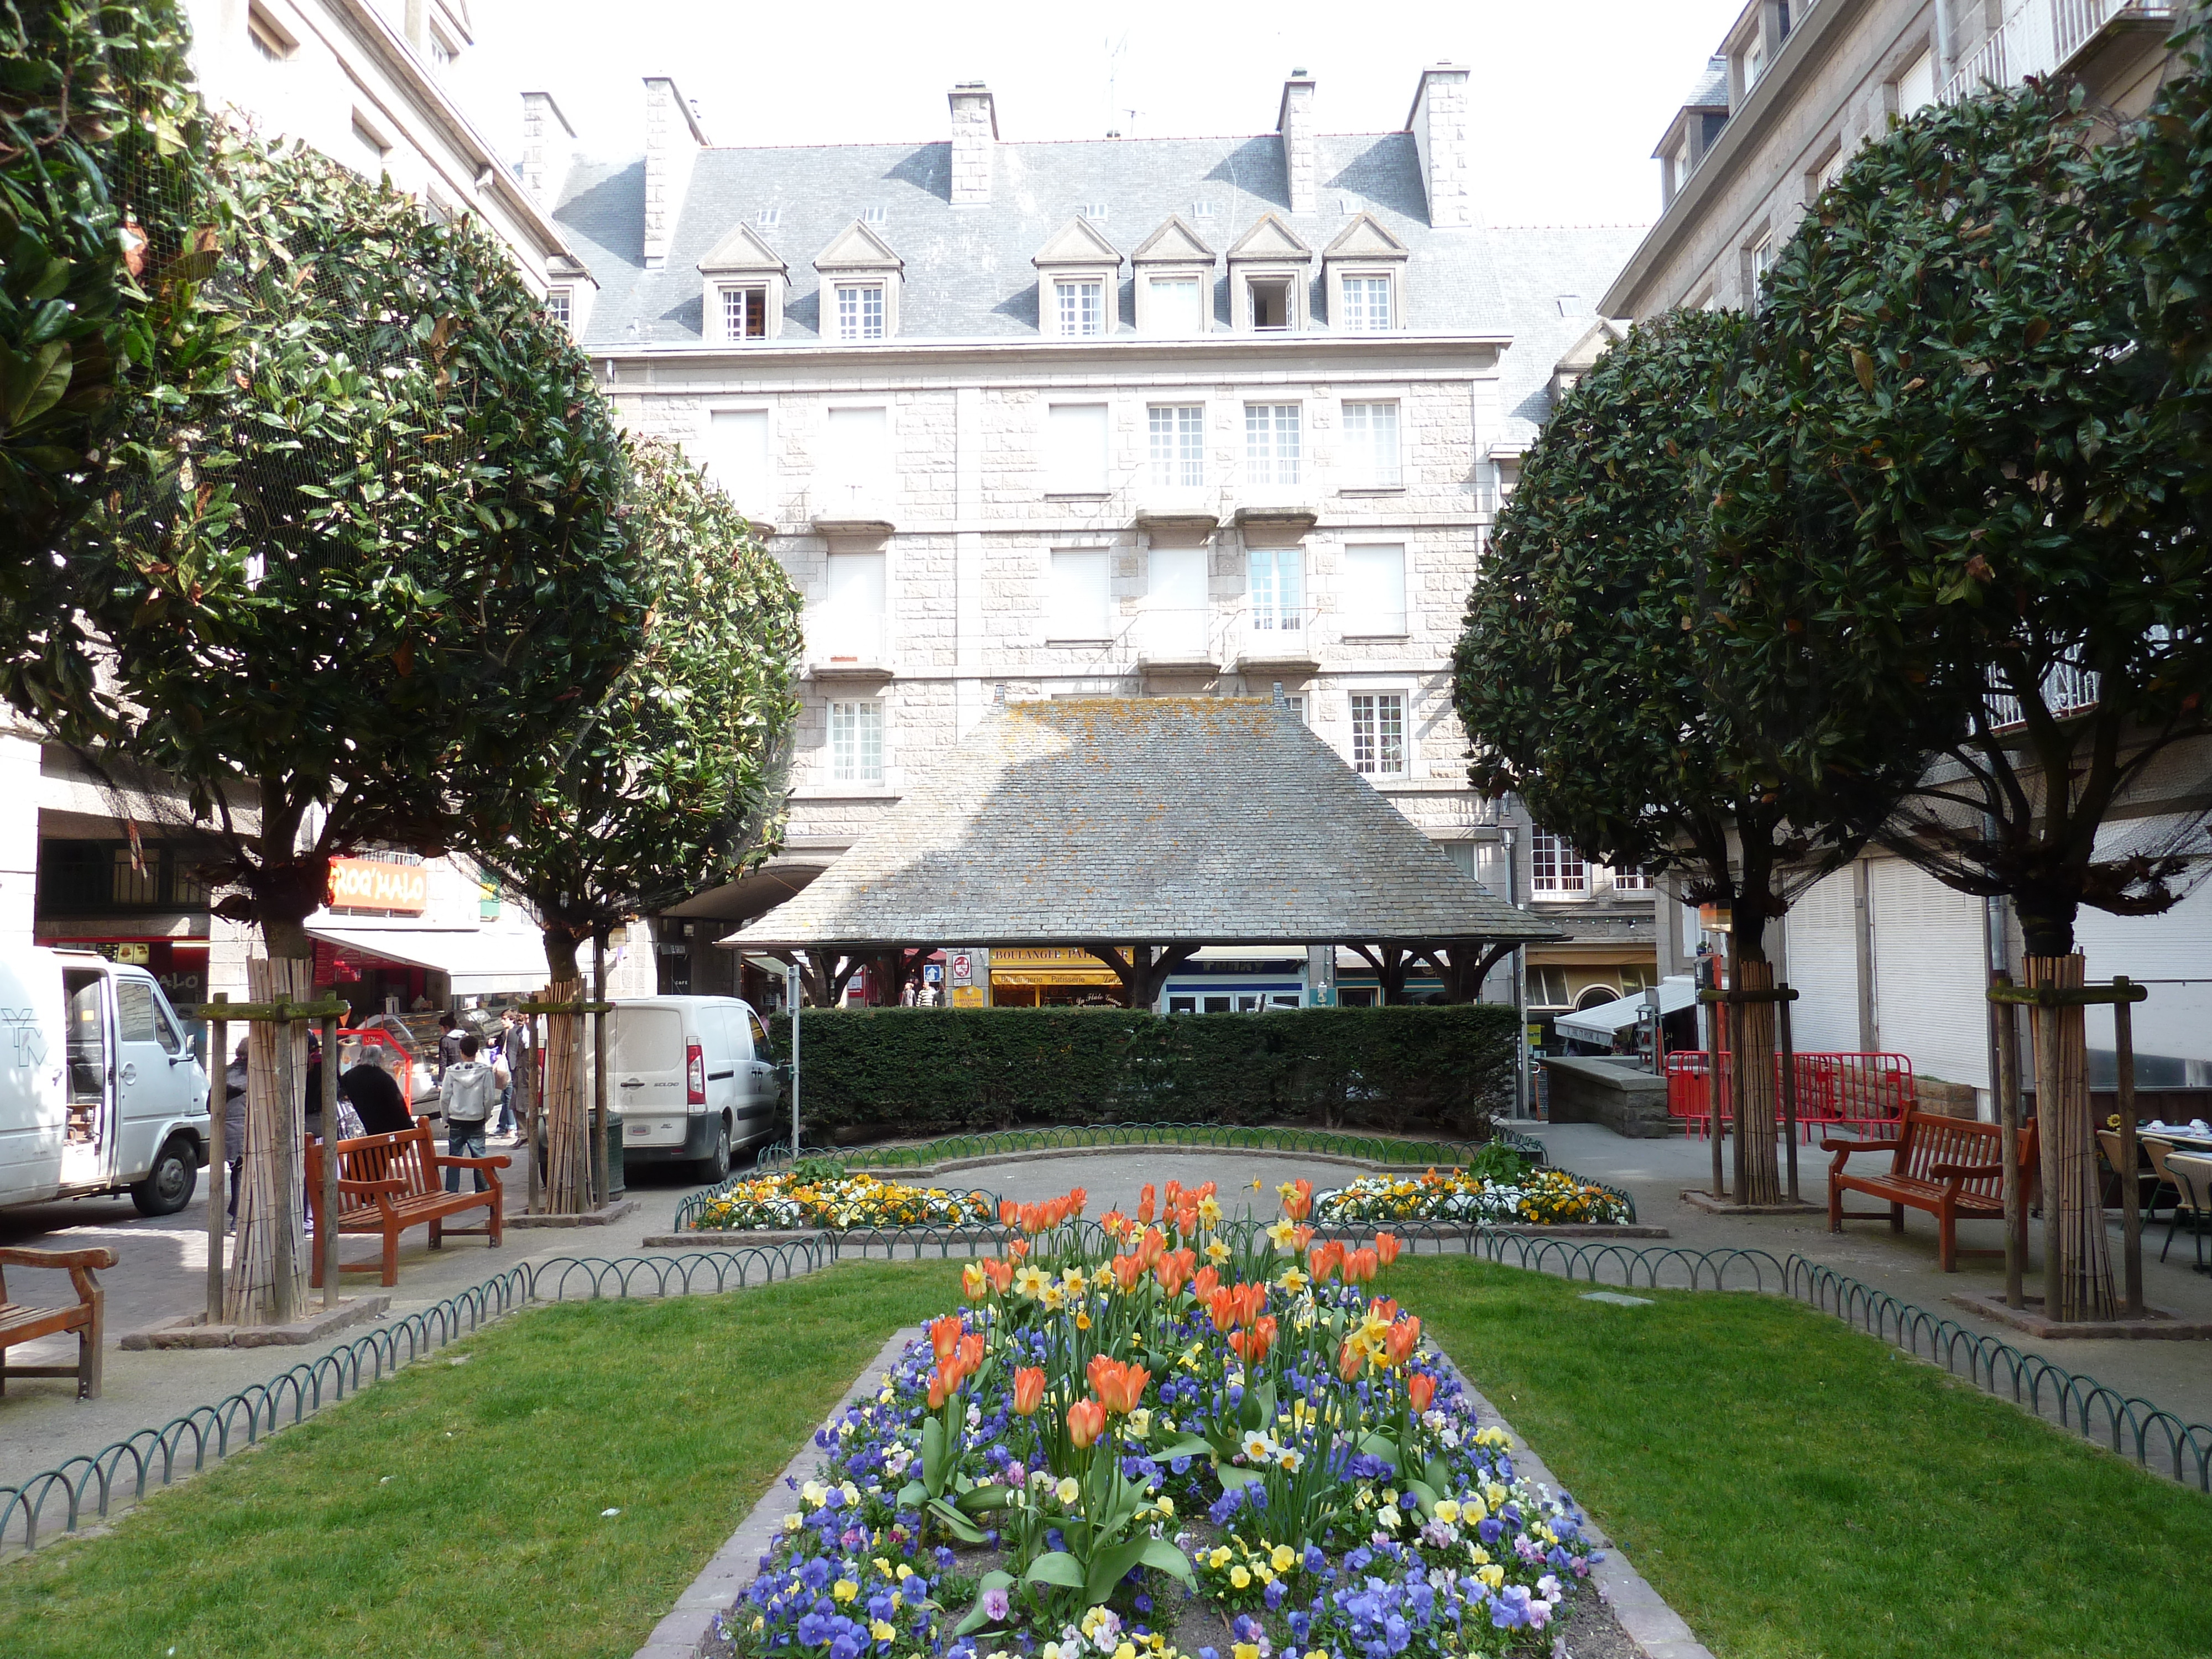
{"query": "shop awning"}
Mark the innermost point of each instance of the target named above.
(1101, 975)
(477, 963)
(1601, 1024)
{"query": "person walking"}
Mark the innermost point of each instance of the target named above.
(465, 1096)
(449, 1043)
(518, 1047)
(234, 1124)
(504, 1125)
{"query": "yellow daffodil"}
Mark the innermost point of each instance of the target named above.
(1293, 1280)
(1216, 1251)
(1028, 1282)
(1209, 1211)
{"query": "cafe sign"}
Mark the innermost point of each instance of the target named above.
(373, 885)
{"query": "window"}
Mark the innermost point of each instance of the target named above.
(1080, 308)
(1079, 595)
(1378, 734)
(1547, 989)
(1366, 304)
(1277, 583)
(370, 139)
(267, 37)
(856, 742)
(1636, 980)
(1176, 613)
(1297, 706)
(134, 881)
(1915, 86)
(1554, 866)
(1375, 591)
(859, 458)
(1762, 261)
(860, 311)
(737, 456)
(560, 305)
(1271, 443)
(1177, 306)
(768, 218)
(1271, 303)
(1178, 435)
(1754, 65)
(1631, 881)
(442, 54)
(133, 1011)
(744, 313)
(1201, 209)
(1370, 446)
(851, 624)
(1075, 449)
(872, 215)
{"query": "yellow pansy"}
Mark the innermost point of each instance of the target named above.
(844, 1590)
(1239, 1578)
(1283, 1557)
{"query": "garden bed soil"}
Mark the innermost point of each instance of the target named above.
(1411, 1231)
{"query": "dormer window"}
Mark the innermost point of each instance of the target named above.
(1175, 282)
(745, 289)
(1363, 268)
(744, 313)
(1078, 283)
(560, 305)
(1366, 304)
(860, 311)
(1270, 302)
(1267, 279)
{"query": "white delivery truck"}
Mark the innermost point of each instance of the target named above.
(692, 1077)
(99, 1091)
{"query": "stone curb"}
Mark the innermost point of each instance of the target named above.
(688, 1624)
(2155, 1326)
(606, 1215)
(1656, 1628)
(193, 1331)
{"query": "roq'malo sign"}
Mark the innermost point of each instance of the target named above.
(373, 885)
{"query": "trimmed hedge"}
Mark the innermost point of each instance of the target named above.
(934, 1071)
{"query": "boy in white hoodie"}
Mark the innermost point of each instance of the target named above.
(466, 1095)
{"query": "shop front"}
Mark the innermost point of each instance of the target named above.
(1231, 980)
(1053, 976)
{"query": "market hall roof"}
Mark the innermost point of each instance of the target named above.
(1155, 820)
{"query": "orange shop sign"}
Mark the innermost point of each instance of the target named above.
(373, 885)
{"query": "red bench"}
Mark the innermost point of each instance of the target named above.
(85, 1316)
(1950, 1167)
(390, 1182)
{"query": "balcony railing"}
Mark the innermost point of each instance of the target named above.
(2042, 37)
(2066, 690)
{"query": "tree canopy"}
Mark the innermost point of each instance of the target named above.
(380, 556)
(672, 781)
(102, 195)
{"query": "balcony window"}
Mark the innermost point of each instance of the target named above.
(1554, 866)
(1375, 591)
(849, 628)
(1175, 603)
(1370, 446)
(1273, 434)
(857, 475)
(1276, 581)
(1178, 445)
(856, 742)
(736, 456)
(1378, 734)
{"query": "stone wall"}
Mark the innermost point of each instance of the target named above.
(1626, 1101)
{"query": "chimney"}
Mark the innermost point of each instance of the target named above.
(1294, 119)
(547, 140)
(674, 139)
(1438, 124)
(975, 130)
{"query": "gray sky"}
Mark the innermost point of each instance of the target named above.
(1568, 97)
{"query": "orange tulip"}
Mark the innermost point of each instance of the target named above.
(1249, 1300)
(1404, 1336)
(1086, 1421)
(1152, 1246)
(1016, 1248)
(945, 1336)
(1145, 1202)
(1173, 1200)
(1009, 1212)
(1186, 1217)
(1028, 1390)
(1000, 1272)
(1251, 1346)
(1298, 1202)
(1383, 1307)
(1421, 1387)
(1387, 1247)
(1203, 1286)
(1174, 1268)
(939, 1390)
(969, 1355)
(1076, 1200)
(1361, 1265)
(1127, 1270)
(1120, 1387)
(1221, 1309)
(1111, 1224)
(1348, 1361)
(1301, 1237)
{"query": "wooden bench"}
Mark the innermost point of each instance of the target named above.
(390, 1182)
(1950, 1167)
(85, 1317)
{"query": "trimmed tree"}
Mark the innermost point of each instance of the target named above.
(102, 192)
(380, 557)
(672, 780)
(1996, 510)
(1593, 675)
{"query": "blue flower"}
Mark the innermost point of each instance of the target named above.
(815, 1574)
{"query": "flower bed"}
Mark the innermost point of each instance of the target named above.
(792, 1200)
(1188, 1425)
(1544, 1197)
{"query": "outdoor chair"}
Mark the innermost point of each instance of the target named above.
(2193, 1180)
(2150, 1183)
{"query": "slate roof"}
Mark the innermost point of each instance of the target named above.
(968, 273)
(1536, 267)
(1151, 820)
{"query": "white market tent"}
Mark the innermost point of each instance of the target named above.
(1602, 1024)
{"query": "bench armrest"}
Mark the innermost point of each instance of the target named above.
(499, 1163)
(16, 1255)
(1964, 1171)
(1828, 1144)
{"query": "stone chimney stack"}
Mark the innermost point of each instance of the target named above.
(1438, 124)
(975, 135)
(547, 139)
(674, 139)
(1294, 119)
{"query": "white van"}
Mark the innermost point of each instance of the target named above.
(99, 1089)
(693, 1078)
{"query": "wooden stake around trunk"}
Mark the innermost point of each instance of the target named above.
(268, 1279)
(1761, 1178)
(567, 1161)
(2077, 1265)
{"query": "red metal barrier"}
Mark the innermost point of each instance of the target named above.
(1859, 1090)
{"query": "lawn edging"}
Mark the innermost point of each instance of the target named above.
(688, 1624)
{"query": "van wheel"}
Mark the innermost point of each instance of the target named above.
(169, 1185)
(715, 1166)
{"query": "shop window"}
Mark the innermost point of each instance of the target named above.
(1178, 445)
(1547, 989)
(1378, 734)
(1554, 866)
(856, 742)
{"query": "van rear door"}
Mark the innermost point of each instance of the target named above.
(33, 1075)
(646, 1052)
(154, 1074)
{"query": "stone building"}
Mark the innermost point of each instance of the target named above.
(1162, 416)
(1886, 957)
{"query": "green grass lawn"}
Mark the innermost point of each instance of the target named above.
(1794, 1487)
(454, 1509)
(1791, 1485)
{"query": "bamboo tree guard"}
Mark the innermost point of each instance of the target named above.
(2077, 1261)
(567, 1153)
(1716, 1046)
(524, 1073)
(266, 1284)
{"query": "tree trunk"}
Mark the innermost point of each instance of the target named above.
(567, 1151)
(268, 1279)
(1754, 1075)
(2077, 1257)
